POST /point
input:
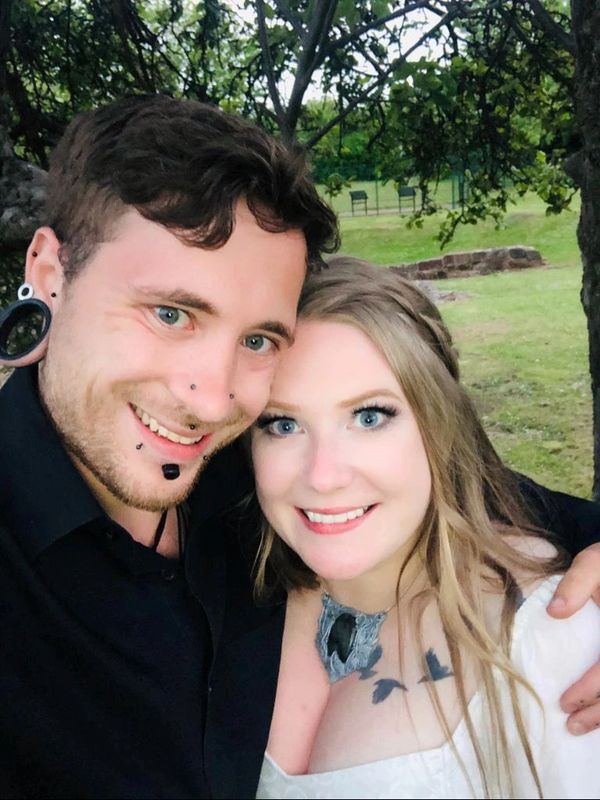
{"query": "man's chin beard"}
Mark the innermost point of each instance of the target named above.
(118, 483)
(173, 492)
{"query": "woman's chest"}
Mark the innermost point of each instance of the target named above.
(367, 716)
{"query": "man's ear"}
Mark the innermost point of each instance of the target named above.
(43, 268)
(44, 273)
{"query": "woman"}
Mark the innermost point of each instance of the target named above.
(418, 659)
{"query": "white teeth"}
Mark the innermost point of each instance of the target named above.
(151, 423)
(333, 518)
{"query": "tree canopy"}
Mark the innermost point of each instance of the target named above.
(506, 93)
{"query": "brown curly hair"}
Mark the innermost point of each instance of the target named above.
(184, 165)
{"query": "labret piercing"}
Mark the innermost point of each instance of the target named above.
(139, 446)
(193, 386)
(170, 471)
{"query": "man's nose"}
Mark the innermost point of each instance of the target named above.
(203, 381)
(328, 468)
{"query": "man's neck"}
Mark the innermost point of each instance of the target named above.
(139, 523)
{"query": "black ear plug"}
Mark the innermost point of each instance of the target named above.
(170, 471)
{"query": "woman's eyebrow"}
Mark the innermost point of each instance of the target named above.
(353, 401)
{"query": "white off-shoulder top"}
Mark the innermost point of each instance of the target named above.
(551, 655)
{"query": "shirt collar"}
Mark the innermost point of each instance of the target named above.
(43, 497)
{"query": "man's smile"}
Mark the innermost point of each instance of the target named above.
(161, 430)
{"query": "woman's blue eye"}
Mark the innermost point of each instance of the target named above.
(373, 417)
(258, 343)
(277, 426)
(283, 426)
(174, 317)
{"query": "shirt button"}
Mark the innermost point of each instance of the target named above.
(167, 574)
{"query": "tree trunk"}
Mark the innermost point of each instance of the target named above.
(586, 170)
(22, 195)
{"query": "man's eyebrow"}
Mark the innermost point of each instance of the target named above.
(178, 297)
(279, 329)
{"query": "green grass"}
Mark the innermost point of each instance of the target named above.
(383, 195)
(523, 347)
(521, 336)
(386, 239)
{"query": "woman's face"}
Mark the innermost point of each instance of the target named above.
(341, 470)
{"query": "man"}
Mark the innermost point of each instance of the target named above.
(134, 662)
(178, 243)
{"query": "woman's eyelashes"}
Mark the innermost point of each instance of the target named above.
(369, 417)
(274, 425)
(373, 417)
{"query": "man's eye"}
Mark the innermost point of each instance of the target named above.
(174, 317)
(258, 343)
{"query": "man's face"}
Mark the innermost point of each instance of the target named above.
(161, 353)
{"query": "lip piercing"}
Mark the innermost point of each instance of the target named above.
(53, 294)
(193, 386)
(231, 395)
(139, 446)
(170, 471)
(34, 253)
(204, 458)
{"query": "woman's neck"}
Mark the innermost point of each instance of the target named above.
(377, 589)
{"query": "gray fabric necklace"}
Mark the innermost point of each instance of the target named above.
(348, 640)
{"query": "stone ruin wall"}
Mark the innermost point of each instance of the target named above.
(475, 262)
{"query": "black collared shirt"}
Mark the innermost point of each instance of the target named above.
(105, 645)
(122, 675)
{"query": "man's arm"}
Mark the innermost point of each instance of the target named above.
(581, 700)
(576, 524)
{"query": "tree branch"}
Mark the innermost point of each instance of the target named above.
(310, 58)
(268, 62)
(289, 15)
(550, 26)
(376, 23)
(380, 81)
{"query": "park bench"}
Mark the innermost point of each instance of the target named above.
(358, 196)
(406, 191)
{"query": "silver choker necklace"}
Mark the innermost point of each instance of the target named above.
(348, 640)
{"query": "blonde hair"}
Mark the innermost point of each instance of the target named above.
(473, 497)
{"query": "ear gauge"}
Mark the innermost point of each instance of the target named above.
(12, 317)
